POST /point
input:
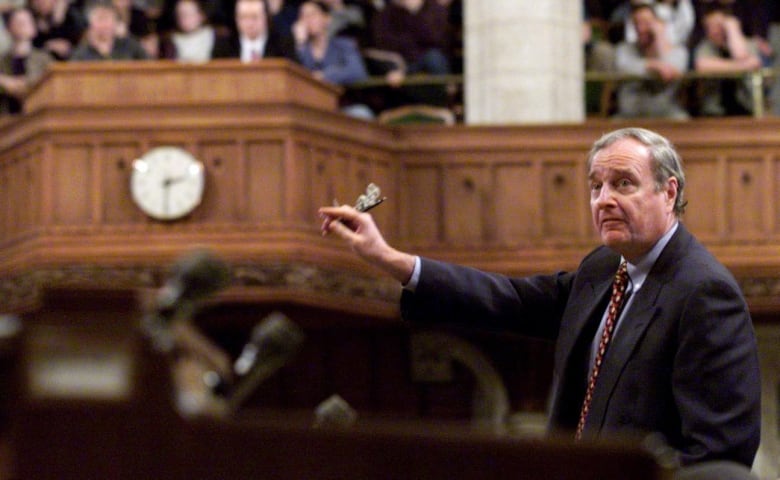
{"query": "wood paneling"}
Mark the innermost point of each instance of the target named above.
(563, 203)
(704, 193)
(123, 84)
(420, 202)
(329, 177)
(512, 199)
(116, 163)
(518, 202)
(224, 194)
(264, 181)
(466, 193)
(745, 204)
(72, 174)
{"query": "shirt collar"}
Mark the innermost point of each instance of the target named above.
(638, 272)
(257, 42)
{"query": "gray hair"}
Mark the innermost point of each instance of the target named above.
(665, 161)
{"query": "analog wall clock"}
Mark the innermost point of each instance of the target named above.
(167, 183)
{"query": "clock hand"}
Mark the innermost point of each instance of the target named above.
(171, 180)
(166, 184)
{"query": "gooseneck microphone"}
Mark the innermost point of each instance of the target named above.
(194, 276)
(276, 338)
(272, 344)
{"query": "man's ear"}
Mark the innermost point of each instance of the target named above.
(671, 190)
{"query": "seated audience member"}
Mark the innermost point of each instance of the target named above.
(602, 30)
(653, 54)
(194, 37)
(418, 30)
(60, 26)
(755, 18)
(332, 59)
(101, 41)
(133, 21)
(679, 17)
(23, 65)
(6, 6)
(255, 38)
(346, 19)
(725, 49)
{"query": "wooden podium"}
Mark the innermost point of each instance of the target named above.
(268, 136)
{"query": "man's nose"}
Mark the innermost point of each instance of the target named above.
(605, 197)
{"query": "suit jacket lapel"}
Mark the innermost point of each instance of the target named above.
(581, 310)
(638, 317)
(634, 324)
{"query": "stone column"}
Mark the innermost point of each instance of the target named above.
(524, 61)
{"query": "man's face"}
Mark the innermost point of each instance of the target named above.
(644, 20)
(629, 212)
(103, 22)
(314, 18)
(21, 25)
(251, 19)
(715, 28)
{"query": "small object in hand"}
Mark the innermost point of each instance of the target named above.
(368, 200)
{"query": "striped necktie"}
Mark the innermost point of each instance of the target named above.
(615, 306)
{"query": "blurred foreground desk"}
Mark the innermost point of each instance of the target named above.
(98, 402)
(282, 449)
(285, 447)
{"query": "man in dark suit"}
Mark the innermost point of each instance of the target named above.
(680, 360)
(255, 38)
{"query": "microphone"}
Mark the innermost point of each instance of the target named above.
(334, 412)
(194, 276)
(275, 339)
(272, 343)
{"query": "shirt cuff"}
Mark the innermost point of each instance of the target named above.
(411, 285)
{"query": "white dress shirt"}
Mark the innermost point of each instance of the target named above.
(250, 47)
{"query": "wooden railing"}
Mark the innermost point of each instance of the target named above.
(758, 79)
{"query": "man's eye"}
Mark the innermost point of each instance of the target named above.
(624, 182)
(595, 186)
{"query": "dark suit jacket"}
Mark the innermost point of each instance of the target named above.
(683, 363)
(277, 46)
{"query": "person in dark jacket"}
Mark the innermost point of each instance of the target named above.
(255, 37)
(671, 353)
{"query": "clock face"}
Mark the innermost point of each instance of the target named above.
(167, 183)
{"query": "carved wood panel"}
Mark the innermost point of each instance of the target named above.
(747, 179)
(563, 202)
(704, 192)
(518, 202)
(264, 181)
(72, 174)
(116, 164)
(224, 196)
(466, 192)
(421, 204)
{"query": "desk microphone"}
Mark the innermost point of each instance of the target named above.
(272, 344)
(334, 412)
(195, 276)
(274, 340)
